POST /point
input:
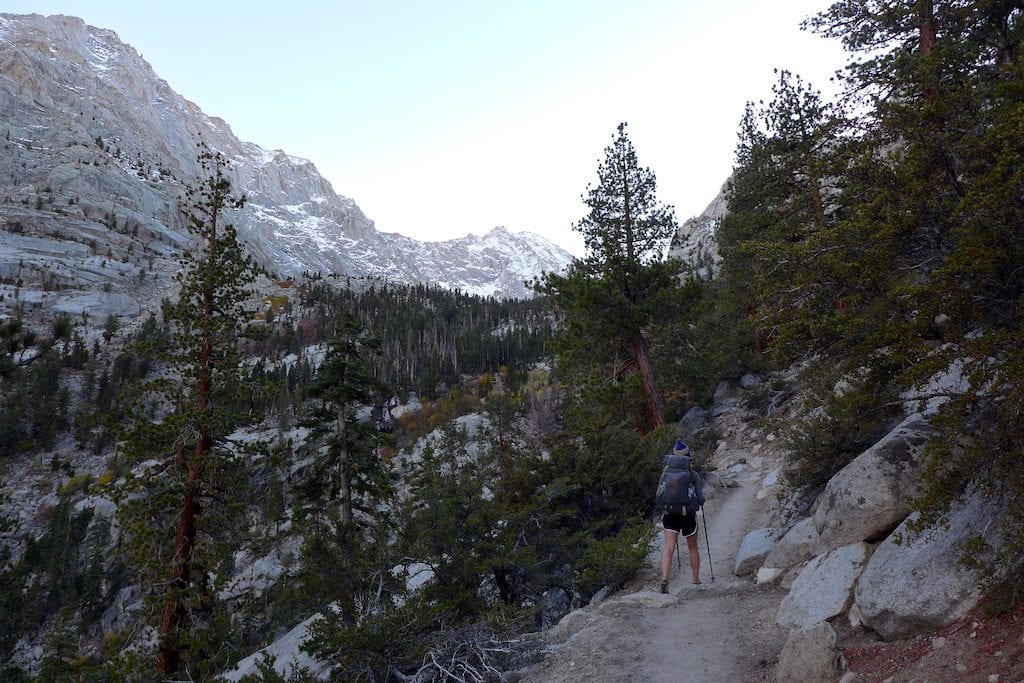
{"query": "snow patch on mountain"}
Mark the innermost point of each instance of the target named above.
(101, 150)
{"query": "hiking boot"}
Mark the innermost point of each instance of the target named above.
(664, 586)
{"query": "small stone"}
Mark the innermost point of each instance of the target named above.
(962, 668)
(938, 643)
(600, 596)
(849, 677)
(974, 634)
(749, 381)
(994, 678)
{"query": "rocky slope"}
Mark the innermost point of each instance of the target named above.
(695, 244)
(95, 149)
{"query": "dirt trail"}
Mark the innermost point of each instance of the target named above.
(717, 631)
(725, 631)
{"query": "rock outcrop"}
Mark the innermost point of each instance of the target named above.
(916, 584)
(870, 496)
(695, 243)
(824, 588)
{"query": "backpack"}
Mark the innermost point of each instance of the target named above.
(674, 491)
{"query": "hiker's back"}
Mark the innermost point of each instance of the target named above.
(674, 491)
(680, 490)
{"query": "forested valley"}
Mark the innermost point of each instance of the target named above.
(245, 478)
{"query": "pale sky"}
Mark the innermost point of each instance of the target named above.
(447, 117)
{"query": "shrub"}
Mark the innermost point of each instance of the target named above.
(75, 484)
(614, 560)
(834, 428)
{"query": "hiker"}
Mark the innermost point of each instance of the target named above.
(679, 498)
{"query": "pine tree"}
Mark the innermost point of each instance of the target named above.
(923, 261)
(448, 523)
(21, 346)
(94, 577)
(60, 648)
(785, 171)
(344, 385)
(620, 287)
(110, 327)
(185, 414)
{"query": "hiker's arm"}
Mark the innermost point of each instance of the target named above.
(698, 488)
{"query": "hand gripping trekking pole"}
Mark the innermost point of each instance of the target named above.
(707, 543)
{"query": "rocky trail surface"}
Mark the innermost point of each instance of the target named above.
(721, 630)
(726, 629)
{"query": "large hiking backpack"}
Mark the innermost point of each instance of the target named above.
(674, 492)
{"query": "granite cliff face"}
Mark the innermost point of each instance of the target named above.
(95, 149)
(695, 243)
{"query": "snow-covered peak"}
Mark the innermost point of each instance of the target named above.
(97, 126)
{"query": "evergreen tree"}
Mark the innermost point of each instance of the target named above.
(93, 580)
(917, 270)
(449, 523)
(59, 649)
(188, 411)
(20, 345)
(344, 385)
(787, 160)
(110, 327)
(621, 286)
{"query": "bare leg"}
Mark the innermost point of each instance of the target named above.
(691, 546)
(669, 547)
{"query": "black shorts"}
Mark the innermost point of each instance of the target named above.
(686, 524)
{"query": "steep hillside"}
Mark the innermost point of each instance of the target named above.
(95, 149)
(695, 243)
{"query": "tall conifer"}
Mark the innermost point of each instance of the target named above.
(611, 295)
(344, 385)
(184, 416)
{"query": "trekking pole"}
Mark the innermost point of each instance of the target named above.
(707, 543)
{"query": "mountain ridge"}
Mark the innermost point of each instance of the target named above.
(97, 148)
